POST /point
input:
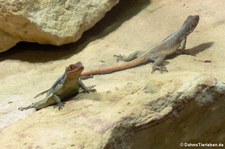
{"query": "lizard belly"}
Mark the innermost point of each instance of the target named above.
(68, 90)
(171, 50)
(162, 50)
(168, 51)
(63, 92)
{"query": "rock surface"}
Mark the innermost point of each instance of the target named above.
(132, 108)
(111, 119)
(55, 22)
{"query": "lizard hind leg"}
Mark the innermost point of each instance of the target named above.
(130, 57)
(58, 101)
(28, 107)
(157, 65)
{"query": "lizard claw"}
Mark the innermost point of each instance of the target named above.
(153, 71)
(163, 69)
(60, 106)
(118, 57)
(25, 108)
(160, 68)
(90, 89)
(22, 108)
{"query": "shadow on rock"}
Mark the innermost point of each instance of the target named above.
(36, 53)
(193, 51)
(197, 49)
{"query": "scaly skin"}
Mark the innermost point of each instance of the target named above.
(156, 54)
(66, 86)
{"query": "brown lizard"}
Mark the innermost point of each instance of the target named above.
(156, 54)
(66, 86)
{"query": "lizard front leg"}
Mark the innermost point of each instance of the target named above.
(183, 44)
(157, 65)
(182, 48)
(58, 101)
(85, 88)
(130, 57)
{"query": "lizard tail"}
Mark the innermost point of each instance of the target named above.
(112, 69)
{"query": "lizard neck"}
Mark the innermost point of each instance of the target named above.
(181, 33)
(177, 36)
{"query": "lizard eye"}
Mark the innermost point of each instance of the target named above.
(71, 67)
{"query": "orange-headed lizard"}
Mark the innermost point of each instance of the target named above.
(66, 86)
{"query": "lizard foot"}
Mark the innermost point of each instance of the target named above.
(86, 77)
(118, 57)
(90, 89)
(162, 69)
(23, 108)
(60, 105)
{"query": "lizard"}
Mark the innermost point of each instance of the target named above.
(66, 86)
(171, 44)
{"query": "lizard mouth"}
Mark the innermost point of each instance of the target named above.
(196, 18)
(79, 66)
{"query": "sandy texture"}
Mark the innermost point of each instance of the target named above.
(127, 100)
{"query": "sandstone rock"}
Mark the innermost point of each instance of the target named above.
(147, 110)
(55, 22)
(175, 105)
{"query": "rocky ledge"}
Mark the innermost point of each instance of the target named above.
(54, 22)
(137, 115)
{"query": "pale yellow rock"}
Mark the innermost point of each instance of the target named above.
(112, 119)
(7, 41)
(132, 108)
(55, 22)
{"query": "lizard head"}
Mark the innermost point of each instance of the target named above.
(191, 23)
(74, 70)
